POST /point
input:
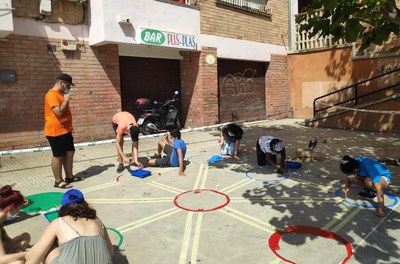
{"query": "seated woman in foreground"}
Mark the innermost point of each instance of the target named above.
(81, 236)
(12, 250)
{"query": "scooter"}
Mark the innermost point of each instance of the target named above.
(156, 116)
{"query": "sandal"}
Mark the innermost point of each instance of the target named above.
(62, 185)
(73, 179)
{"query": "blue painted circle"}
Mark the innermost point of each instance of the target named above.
(260, 180)
(391, 197)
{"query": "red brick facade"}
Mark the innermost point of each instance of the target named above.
(95, 71)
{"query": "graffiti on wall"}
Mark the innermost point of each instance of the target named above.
(239, 84)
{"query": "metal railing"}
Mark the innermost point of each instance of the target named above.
(248, 6)
(355, 93)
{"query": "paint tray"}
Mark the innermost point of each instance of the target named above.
(215, 158)
(293, 165)
(50, 216)
(140, 173)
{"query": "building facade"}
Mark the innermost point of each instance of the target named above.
(227, 59)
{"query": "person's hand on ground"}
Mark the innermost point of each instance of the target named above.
(182, 173)
(126, 160)
(345, 190)
(139, 165)
(236, 156)
(380, 212)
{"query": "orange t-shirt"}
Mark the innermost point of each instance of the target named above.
(124, 121)
(56, 125)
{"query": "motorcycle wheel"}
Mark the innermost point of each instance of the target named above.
(145, 129)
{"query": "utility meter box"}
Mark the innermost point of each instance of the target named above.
(6, 18)
(68, 44)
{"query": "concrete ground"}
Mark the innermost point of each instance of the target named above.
(230, 211)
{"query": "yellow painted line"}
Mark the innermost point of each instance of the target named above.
(98, 187)
(185, 240)
(312, 184)
(276, 261)
(198, 177)
(162, 188)
(336, 218)
(252, 218)
(131, 201)
(170, 187)
(148, 220)
(196, 238)
(240, 186)
(233, 185)
(205, 175)
(347, 219)
(246, 221)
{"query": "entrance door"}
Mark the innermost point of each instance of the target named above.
(156, 79)
(241, 90)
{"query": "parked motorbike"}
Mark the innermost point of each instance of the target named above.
(157, 116)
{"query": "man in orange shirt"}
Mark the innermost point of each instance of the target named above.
(58, 130)
(124, 123)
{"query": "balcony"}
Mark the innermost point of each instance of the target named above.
(248, 6)
(123, 21)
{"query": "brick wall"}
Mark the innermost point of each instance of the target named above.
(231, 22)
(199, 89)
(277, 92)
(96, 97)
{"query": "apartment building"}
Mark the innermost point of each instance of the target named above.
(227, 59)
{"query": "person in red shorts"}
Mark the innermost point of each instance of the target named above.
(58, 130)
(124, 123)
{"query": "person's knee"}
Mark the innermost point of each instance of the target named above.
(134, 131)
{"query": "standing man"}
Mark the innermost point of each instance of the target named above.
(124, 123)
(58, 130)
(231, 134)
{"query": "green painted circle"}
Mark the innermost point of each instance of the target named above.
(42, 202)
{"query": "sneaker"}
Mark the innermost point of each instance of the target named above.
(367, 194)
(120, 168)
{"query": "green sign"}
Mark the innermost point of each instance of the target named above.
(167, 39)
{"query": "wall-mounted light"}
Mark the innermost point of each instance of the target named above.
(124, 19)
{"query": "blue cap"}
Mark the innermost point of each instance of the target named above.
(72, 196)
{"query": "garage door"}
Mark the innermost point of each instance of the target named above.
(241, 90)
(156, 79)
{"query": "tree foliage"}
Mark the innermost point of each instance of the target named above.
(368, 21)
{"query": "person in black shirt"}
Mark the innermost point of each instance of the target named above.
(231, 134)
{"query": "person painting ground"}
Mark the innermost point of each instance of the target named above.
(231, 134)
(12, 250)
(58, 130)
(268, 148)
(80, 234)
(124, 123)
(368, 173)
(174, 148)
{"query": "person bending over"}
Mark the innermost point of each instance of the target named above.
(174, 148)
(268, 148)
(368, 173)
(80, 234)
(231, 134)
(124, 123)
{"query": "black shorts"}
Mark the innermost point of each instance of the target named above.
(60, 145)
(165, 160)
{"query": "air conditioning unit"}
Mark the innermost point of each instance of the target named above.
(68, 44)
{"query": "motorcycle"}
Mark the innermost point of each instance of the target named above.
(157, 116)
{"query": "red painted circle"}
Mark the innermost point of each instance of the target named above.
(198, 191)
(310, 230)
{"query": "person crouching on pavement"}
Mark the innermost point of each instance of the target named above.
(370, 174)
(231, 134)
(268, 147)
(124, 123)
(174, 148)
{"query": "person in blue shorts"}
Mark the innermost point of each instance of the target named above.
(231, 134)
(174, 148)
(370, 174)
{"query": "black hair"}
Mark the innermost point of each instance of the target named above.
(134, 131)
(348, 164)
(273, 143)
(175, 133)
(78, 210)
